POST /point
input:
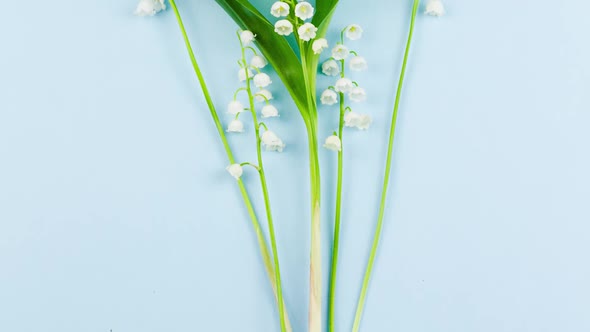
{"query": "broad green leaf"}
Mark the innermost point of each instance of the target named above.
(279, 53)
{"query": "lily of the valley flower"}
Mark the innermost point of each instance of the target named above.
(235, 107)
(149, 7)
(353, 32)
(343, 85)
(269, 111)
(258, 62)
(330, 68)
(319, 45)
(435, 8)
(340, 52)
(263, 95)
(279, 9)
(247, 37)
(358, 63)
(329, 97)
(262, 80)
(242, 74)
(357, 94)
(360, 121)
(235, 170)
(235, 126)
(333, 143)
(284, 27)
(307, 32)
(272, 142)
(304, 10)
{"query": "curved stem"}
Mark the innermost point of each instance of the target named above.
(262, 244)
(363, 295)
(271, 229)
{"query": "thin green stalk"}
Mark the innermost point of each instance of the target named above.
(369, 269)
(271, 229)
(262, 244)
(337, 219)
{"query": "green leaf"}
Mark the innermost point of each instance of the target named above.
(279, 53)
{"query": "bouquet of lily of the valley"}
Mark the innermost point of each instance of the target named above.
(291, 41)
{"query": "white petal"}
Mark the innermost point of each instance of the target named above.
(333, 143)
(304, 10)
(235, 170)
(435, 8)
(280, 9)
(353, 32)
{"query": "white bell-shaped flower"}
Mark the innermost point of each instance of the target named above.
(329, 97)
(355, 120)
(304, 10)
(149, 7)
(331, 68)
(262, 80)
(319, 45)
(357, 94)
(258, 62)
(333, 143)
(263, 95)
(435, 8)
(284, 27)
(307, 32)
(235, 126)
(353, 32)
(235, 170)
(269, 111)
(235, 107)
(272, 142)
(343, 85)
(358, 63)
(340, 52)
(247, 37)
(279, 9)
(242, 74)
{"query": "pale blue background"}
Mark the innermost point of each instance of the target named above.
(116, 212)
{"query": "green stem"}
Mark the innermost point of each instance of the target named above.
(262, 244)
(271, 229)
(337, 219)
(361, 302)
(315, 266)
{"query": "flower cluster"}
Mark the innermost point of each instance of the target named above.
(292, 18)
(251, 75)
(344, 86)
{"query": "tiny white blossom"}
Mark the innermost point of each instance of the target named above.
(333, 143)
(235, 126)
(340, 52)
(307, 32)
(149, 7)
(358, 63)
(319, 45)
(284, 27)
(242, 74)
(357, 94)
(343, 85)
(279, 9)
(353, 32)
(360, 121)
(258, 62)
(435, 8)
(262, 80)
(329, 97)
(272, 142)
(263, 95)
(247, 37)
(235, 107)
(269, 111)
(235, 170)
(304, 10)
(330, 68)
